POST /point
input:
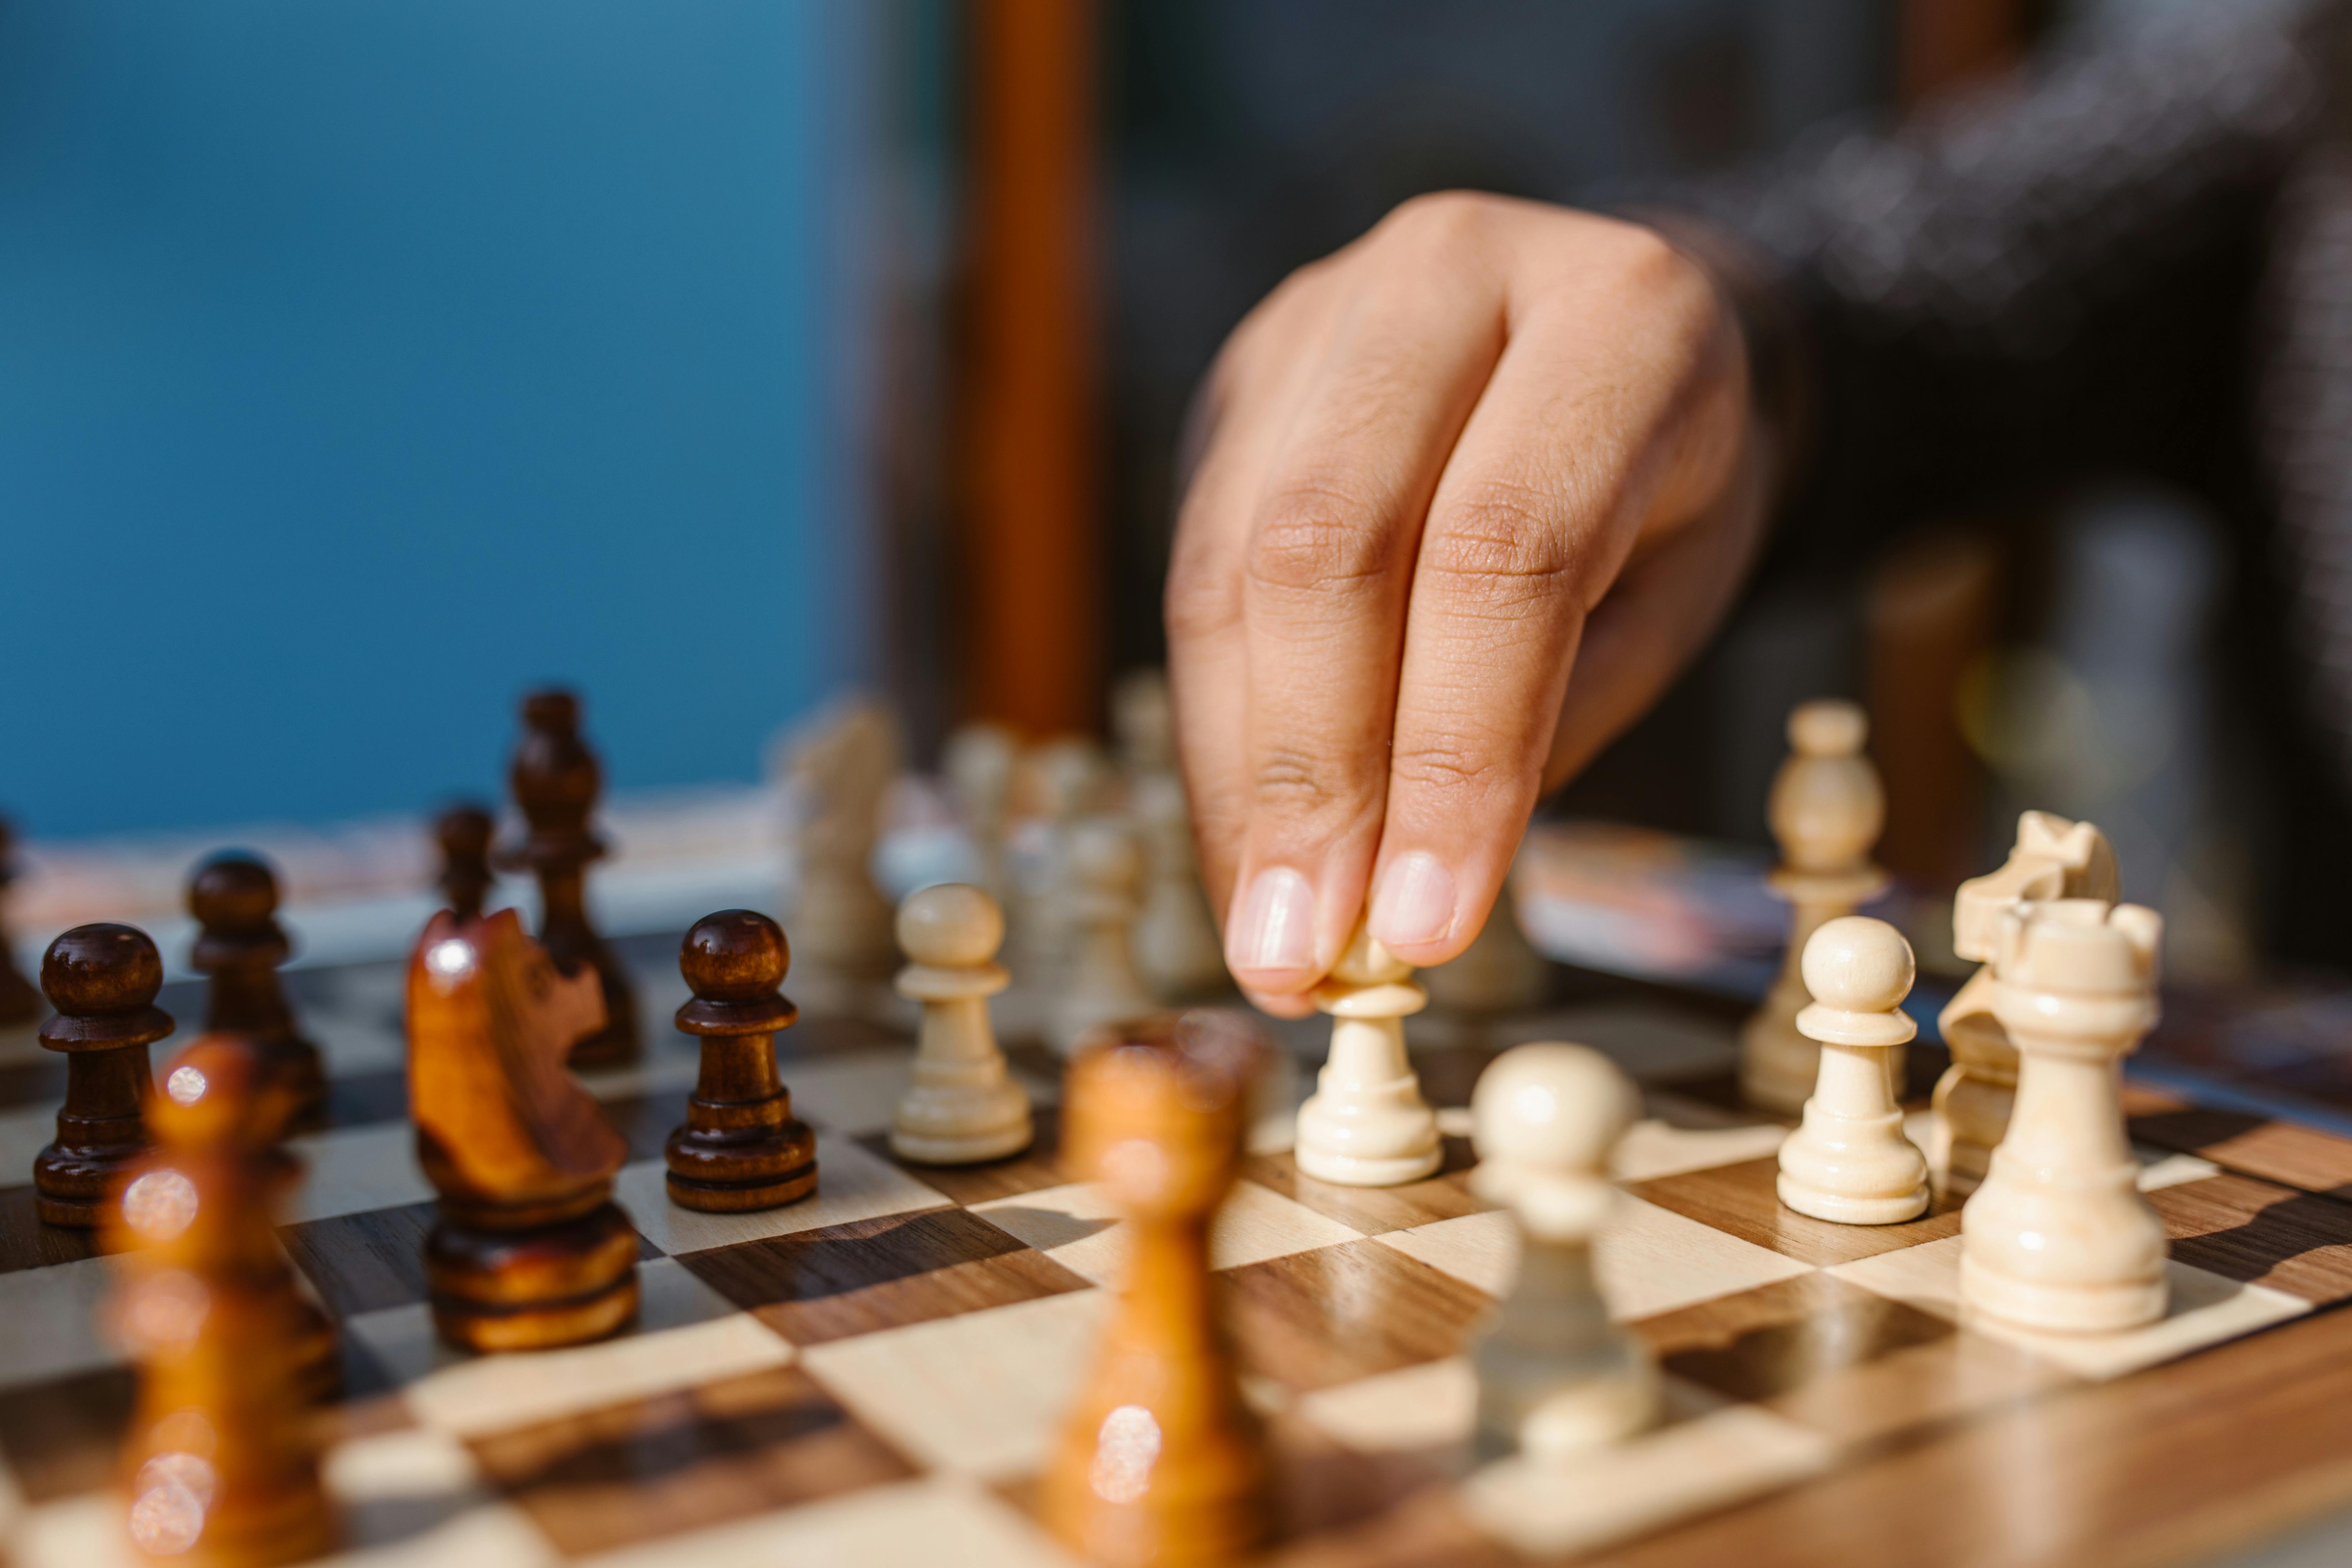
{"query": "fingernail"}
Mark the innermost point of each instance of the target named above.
(1276, 931)
(1414, 902)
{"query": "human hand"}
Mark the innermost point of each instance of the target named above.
(1470, 492)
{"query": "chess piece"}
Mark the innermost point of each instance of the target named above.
(464, 833)
(102, 980)
(1065, 780)
(239, 945)
(1176, 946)
(1100, 985)
(963, 1107)
(1848, 1161)
(2055, 859)
(530, 1250)
(1556, 1375)
(1826, 811)
(843, 767)
(980, 759)
(222, 1457)
(556, 780)
(1159, 1461)
(1501, 972)
(741, 1147)
(2058, 1235)
(19, 1002)
(1366, 1125)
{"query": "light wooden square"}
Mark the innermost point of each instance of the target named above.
(851, 1184)
(2204, 1308)
(1415, 1408)
(464, 1394)
(356, 1169)
(850, 1096)
(1708, 1462)
(982, 1394)
(87, 1531)
(55, 1319)
(940, 1519)
(1080, 1229)
(1653, 1147)
(1649, 1259)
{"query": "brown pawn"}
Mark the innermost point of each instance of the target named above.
(464, 834)
(222, 1461)
(1159, 1461)
(19, 1002)
(239, 945)
(741, 1147)
(102, 980)
(530, 1250)
(556, 779)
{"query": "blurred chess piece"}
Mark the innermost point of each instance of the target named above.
(530, 1250)
(1849, 1161)
(741, 1147)
(102, 980)
(1099, 984)
(844, 765)
(463, 834)
(1160, 1462)
(556, 780)
(1826, 810)
(20, 1002)
(963, 1107)
(1176, 946)
(1498, 974)
(1367, 1125)
(979, 761)
(2057, 1237)
(1065, 780)
(2053, 858)
(1556, 1375)
(222, 1457)
(239, 947)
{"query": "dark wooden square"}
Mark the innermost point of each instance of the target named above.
(27, 1243)
(65, 1435)
(1741, 1200)
(883, 1273)
(2261, 1233)
(1763, 1344)
(1374, 1210)
(679, 1461)
(1328, 1316)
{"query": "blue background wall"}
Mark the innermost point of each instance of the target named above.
(361, 364)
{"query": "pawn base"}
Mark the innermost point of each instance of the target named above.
(2072, 1309)
(75, 1187)
(1361, 1171)
(740, 1170)
(972, 1149)
(1840, 1208)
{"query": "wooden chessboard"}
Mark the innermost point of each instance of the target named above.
(873, 1376)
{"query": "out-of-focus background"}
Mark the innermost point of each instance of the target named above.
(370, 364)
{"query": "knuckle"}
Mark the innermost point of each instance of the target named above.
(1312, 538)
(1499, 535)
(1294, 783)
(1453, 765)
(1440, 218)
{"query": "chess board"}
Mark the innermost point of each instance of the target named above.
(874, 1375)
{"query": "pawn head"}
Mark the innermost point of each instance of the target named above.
(98, 969)
(952, 925)
(233, 891)
(735, 955)
(1104, 857)
(1367, 963)
(1828, 727)
(1857, 964)
(464, 833)
(551, 707)
(1551, 1105)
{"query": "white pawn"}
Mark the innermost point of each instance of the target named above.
(1849, 1161)
(1064, 780)
(1366, 1125)
(979, 761)
(1556, 1375)
(1100, 985)
(1826, 810)
(963, 1106)
(1176, 944)
(2058, 1236)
